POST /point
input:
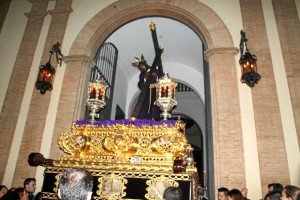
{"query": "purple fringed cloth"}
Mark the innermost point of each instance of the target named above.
(137, 122)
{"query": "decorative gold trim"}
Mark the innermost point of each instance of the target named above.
(56, 183)
(130, 174)
(118, 145)
(49, 195)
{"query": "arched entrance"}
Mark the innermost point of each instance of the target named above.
(197, 15)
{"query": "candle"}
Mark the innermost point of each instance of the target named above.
(43, 76)
(167, 91)
(163, 91)
(48, 77)
(173, 93)
(100, 94)
(92, 92)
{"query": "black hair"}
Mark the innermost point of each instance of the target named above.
(28, 180)
(273, 195)
(291, 191)
(11, 195)
(3, 186)
(235, 194)
(276, 186)
(224, 190)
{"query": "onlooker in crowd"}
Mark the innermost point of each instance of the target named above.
(3, 190)
(235, 194)
(76, 184)
(223, 193)
(172, 193)
(10, 195)
(16, 194)
(290, 192)
(201, 191)
(275, 186)
(23, 194)
(273, 195)
(30, 186)
(244, 192)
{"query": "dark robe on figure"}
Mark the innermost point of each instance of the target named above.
(148, 109)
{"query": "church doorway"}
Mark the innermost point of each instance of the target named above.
(182, 59)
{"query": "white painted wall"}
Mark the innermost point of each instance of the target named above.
(10, 39)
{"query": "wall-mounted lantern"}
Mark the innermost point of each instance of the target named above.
(248, 63)
(47, 71)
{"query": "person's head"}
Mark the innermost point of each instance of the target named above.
(11, 195)
(235, 194)
(3, 190)
(223, 193)
(30, 185)
(172, 193)
(21, 193)
(273, 195)
(76, 184)
(275, 186)
(142, 63)
(290, 192)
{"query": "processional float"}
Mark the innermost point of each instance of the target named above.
(131, 158)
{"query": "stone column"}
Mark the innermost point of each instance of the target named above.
(226, 123)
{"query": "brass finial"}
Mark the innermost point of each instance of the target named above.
(161, 48)
(152, 26)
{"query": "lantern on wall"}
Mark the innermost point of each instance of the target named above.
(248, 63)
(96, 97)
(165, 95)
(47, 71)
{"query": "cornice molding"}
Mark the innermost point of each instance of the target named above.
(222, 50)
(79, 58)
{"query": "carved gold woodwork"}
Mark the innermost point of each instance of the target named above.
(123, 144)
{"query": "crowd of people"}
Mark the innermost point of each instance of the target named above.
(20, 193)
(276, 191)
(78, 183)
(75, 184)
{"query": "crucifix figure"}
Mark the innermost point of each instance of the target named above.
(145, 108)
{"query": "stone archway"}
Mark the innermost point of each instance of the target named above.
(220, 54)
(201, 18)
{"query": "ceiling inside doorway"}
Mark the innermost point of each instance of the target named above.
(181, 44)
